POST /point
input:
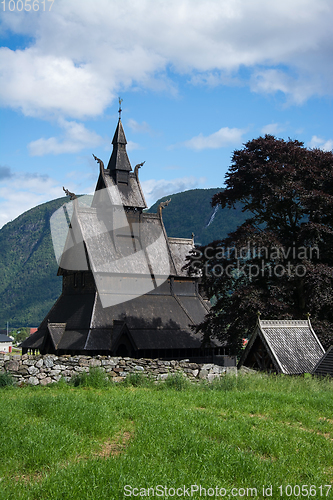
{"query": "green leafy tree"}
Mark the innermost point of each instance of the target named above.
(280, 260)
(20, 334)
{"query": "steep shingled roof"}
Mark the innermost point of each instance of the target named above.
(324, 366)
(284, 346)
(119, 159)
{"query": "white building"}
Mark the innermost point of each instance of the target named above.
(6, 343)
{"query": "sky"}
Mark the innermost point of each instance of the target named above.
(198, 79)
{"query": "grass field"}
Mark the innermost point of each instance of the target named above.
(92, 440)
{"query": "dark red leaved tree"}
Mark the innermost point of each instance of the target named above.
(280, 261)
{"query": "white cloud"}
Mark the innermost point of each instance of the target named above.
(32, 190)
(272, 129)
(297, 88)
(223, 137)
(42, 84)
(84, 52)
(156, 189)
(132, 145)
(317, 142)
(75, 138)
(143, 127)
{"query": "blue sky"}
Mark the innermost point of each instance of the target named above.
(198, 78)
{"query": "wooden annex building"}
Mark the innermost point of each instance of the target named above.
(283, 346)
(89, 319)
(324, 367)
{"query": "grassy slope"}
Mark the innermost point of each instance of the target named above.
(83, 443)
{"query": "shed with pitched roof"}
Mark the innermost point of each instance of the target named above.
(283, 346)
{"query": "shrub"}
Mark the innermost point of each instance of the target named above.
(228, 383)
(6, 379)
(96, 378)
(137, 380)
(177, 381)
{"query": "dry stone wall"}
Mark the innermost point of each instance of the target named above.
(48, 369)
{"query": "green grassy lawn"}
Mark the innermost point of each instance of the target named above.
(66, 442)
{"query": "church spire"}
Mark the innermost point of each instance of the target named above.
(119, 164)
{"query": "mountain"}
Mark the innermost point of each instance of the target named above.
(29, 284)
(191, 212)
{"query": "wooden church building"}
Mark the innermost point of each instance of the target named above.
(115, 300)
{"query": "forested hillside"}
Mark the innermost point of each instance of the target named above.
(191, 212)
(29, 284)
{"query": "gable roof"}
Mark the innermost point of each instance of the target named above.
(325, 364)
(4, 338)
(180, 249)
(292, 345)
(131, 194)
(56, 331)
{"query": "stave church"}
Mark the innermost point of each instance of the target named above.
(125, 291)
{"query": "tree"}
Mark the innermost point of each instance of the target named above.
(280, 260)
(20, 334)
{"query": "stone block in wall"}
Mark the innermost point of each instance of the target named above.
(54, 373)
(33, 370)
(59, 367)
(12, 366)
(29, 362)
(23, 371)
(81, 369)
(207, 366)
(203, 373)
(33, 381)
(95, 362)
(108, 362)
(48, 361)
(45, 381)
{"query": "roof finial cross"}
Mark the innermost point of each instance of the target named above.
(120, 110)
